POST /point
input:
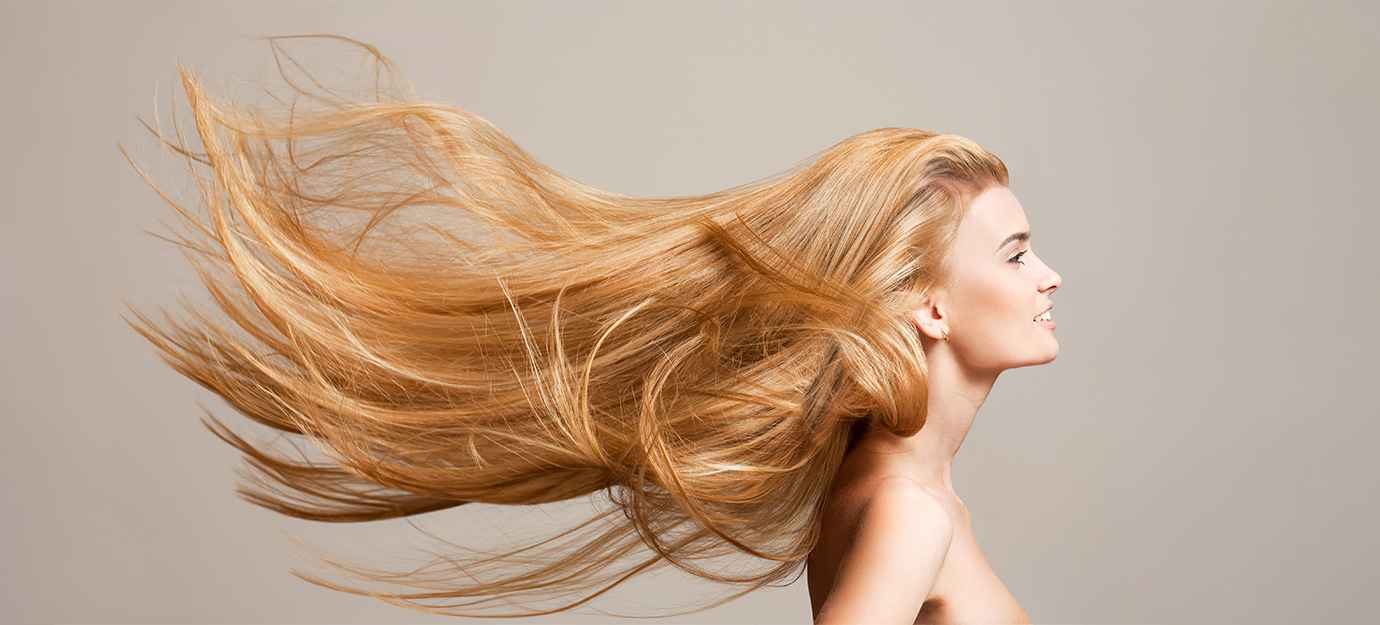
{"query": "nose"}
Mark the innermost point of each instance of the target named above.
(1051, 281)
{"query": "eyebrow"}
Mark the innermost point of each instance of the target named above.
(1019, 236)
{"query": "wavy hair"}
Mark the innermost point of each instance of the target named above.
(449, 321)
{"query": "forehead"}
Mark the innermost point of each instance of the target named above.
(994, 215)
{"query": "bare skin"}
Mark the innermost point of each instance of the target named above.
(897, 543)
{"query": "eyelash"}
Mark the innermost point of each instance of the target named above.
(1017, 258)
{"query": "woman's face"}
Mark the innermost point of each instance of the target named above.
(999, 289)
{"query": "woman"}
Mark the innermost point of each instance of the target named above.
(442, 320)
(897, 541)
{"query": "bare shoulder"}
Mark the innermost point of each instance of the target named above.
(885, 492)
(881, 501)
(901, 534)
(904, 514)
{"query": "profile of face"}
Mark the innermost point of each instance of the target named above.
(994, 308)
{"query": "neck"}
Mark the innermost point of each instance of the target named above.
(955, 395)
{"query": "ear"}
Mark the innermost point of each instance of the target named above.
(930, 316)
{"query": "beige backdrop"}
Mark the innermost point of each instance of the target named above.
(1201, 452)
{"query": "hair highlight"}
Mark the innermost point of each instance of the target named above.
(398, 285)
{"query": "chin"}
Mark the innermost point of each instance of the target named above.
(1046, 358)
(1053, 353)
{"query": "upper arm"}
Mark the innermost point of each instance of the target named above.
(890, 564)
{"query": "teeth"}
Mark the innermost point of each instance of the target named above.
(1045, 316)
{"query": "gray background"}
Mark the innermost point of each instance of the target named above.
(1201, 452)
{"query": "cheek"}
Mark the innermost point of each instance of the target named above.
(991, 304)
(992, 315)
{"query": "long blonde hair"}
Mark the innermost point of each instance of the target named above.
(450, 321)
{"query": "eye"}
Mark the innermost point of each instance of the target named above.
(1017, 258)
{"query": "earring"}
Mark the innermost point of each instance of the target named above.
(945, 331)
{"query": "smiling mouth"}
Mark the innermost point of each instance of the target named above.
(1045, 316)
